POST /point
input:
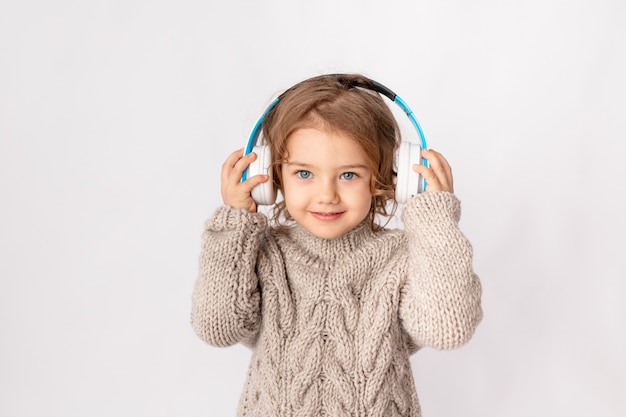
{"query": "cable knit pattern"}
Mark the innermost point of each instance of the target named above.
(332, 322)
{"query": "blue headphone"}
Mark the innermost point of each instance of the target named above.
(408, 182)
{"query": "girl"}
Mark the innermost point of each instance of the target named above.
(332, 303)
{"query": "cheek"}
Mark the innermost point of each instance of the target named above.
(366, 201)
(360, 197)
(293, 194)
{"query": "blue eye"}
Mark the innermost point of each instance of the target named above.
(348, 176)
(304, 174)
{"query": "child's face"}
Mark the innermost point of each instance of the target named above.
(326, 182)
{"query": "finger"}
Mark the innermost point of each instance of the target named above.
(241, 165)
(231, 178)
(232, 159)
(252, 182)
(234, 166)
(441, 168)
(240, 194)
(229, 164)
(432, 182)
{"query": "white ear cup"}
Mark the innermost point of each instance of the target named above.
(264, 193)
(408, 182)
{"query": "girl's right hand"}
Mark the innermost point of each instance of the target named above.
(234, 192)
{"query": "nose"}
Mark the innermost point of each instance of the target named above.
(327, 192)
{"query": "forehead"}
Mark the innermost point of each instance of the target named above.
(324, 147)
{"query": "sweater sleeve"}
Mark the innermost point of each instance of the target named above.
(440, 300)
(226, 297)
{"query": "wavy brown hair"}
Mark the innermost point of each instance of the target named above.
(342, 103)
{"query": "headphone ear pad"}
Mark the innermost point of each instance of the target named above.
(264, 193)
(408, 182)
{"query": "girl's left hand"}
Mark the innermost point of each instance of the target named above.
(438, 174)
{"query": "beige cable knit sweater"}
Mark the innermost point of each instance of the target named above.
(332, 322)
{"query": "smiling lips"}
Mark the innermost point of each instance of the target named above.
(326, 216)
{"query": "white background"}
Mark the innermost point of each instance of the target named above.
(115, 117)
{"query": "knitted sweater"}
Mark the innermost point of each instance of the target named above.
(332, 322)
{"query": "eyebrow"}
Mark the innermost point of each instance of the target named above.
(349, 166)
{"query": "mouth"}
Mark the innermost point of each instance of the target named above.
(326, 216)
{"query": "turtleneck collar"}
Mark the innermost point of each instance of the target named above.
(330, 249)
